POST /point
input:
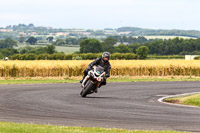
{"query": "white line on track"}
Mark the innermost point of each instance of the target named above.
(161, 100)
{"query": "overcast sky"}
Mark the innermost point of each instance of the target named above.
(100, 14)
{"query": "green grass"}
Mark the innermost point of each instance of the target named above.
(19, 45)
(67, 50)
(193, 100)
(77, 79)
(7, 127)
(36, 81)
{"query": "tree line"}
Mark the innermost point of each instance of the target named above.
(7, 49)
(76, 41)
(57, 42)
(176, 46)
(62, 56)
(134, 31)
(89, 44)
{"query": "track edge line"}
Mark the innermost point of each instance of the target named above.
(161, 100)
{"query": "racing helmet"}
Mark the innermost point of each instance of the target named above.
(106, 55)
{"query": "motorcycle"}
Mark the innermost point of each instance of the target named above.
(92, 81)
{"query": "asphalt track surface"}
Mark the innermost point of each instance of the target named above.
(118, 105)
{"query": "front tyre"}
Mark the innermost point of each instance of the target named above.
(88, 88)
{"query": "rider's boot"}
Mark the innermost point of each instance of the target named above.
(96, 90)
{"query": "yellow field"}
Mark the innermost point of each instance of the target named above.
(119, 68)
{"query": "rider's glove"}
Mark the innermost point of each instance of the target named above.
(107, 75)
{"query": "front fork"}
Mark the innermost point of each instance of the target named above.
(87, 78)
(84, 81)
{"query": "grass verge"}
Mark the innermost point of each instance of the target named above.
(193, 100)
(36, 81)
(39, 80)
(7, 127)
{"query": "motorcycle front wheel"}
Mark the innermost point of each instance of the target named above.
(87, 89)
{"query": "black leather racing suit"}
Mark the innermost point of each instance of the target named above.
(106, 65)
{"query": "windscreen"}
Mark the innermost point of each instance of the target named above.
(99, 69)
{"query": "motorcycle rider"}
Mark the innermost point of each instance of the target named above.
(103, 62)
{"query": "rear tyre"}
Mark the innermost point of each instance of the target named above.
(88, 88)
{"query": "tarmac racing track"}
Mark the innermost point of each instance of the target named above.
(116, 105)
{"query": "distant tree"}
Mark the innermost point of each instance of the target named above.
(50, 49)
(142, 52)
(124, 39)
(21, 25)
(91, 46)
(1, 55)
(72, 41)
(21, 39)
(8, 52)
(9, 27)
(31, 40)
(141, 39)
(134, 47)
(8, 43)
(131, 39)
(31, 25)
(108, 44)
(81, 39)
(59, 42)
(25, 49)
(122, 49)
(37, 50)
(49, 39)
